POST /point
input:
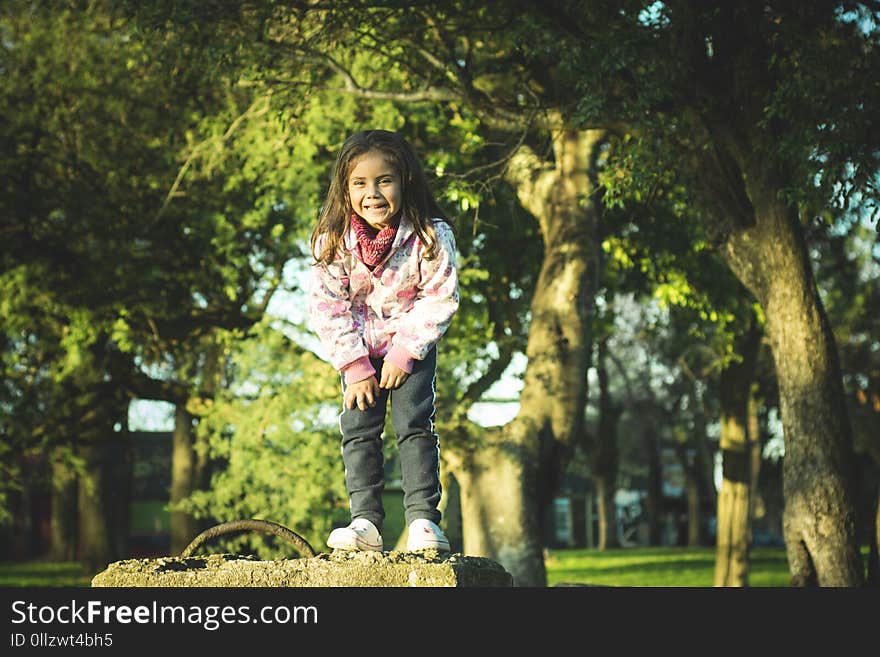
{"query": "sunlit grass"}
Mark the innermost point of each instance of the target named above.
(630, 567)
(658, 567)
(42, 573)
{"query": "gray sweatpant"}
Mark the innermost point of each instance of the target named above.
(412, 417)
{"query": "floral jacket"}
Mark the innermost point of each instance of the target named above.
(397, 311)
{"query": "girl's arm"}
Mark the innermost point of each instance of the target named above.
(337, 327)
(436, 302)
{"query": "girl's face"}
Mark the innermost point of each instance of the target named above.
(374, 189)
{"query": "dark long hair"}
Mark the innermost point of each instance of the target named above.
(418, 204)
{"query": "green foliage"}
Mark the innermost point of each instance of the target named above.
(146, 203)
(656, 248)
(796, 82)
(164, 161)
(846, 256)
(497, 266)
(275, 432)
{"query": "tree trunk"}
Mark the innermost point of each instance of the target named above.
(694, 509)
(704, 473)
(22, 529)
(605, 461)
(756, 506)
(694, 489)
(735, 501)
(120, 480)
(607, 514)
(64, 489)
(654, 493)
(770, 257)
(182, 525)
(579, 534)
(500, 517)
(190, 460)
(103, 498)
(509, 481)
(873, 578)
(95, 550)
(104, 492)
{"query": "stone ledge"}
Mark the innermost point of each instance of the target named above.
(426, 568)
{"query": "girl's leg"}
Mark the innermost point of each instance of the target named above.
(362, 458)
(412, 415)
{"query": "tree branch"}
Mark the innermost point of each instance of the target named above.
(146, 387)
(496, 368)
(200, 147)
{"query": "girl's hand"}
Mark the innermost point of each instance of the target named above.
(392, 376)
(363, 394)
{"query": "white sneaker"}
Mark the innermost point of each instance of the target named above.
(424, 534)
(361, 534)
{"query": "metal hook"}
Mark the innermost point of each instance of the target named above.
(265, 526)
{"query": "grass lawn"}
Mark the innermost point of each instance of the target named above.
(658, 567)
(42, 573)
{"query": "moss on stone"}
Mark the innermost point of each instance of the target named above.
(426, 568)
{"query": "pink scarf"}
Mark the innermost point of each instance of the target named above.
(375, 244)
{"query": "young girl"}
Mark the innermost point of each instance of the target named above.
(384, 290)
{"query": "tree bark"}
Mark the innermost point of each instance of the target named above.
(64, 517)
(606, 459)
(121, 482)
(694, 486)
(183, 527)
(511, 478)
(94, 548)
(104, 490)
(693, 495)
(735, 501)
(873, 577)
(607, 513)
(756, 505)
(770, 257)
(704, 474)
(654, 493)
(500, 516)
(103, 499)
(190, 461)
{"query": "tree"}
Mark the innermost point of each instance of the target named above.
(660, 249)
(751, 103)
(846, 255)
(406, 47)
(700, 78)
(67, 211)
(605, 456)
(117, 270)
(739, 446)
(274, 430)
(466, 55)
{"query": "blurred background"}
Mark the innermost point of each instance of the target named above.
(666, 216)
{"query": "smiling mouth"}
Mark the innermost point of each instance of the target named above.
(382, 206)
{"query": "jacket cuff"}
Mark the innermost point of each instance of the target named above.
(358, 370)
(401, 358)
